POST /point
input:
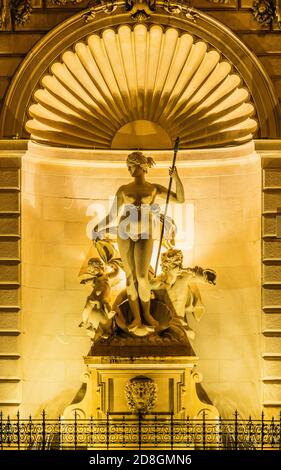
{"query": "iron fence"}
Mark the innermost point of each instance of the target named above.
(155, 431)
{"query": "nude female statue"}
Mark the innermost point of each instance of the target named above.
(135, 232)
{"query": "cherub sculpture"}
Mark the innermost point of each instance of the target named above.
(97, 314)
(180, 285)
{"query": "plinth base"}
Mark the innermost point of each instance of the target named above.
(107, 379)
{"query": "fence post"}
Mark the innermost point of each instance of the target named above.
(59, 438)
(1, 429)
(172, 430)
(250, 431)
(43, 430)
(9, 430)
(123, 432)
(155, 431)
(220, 433)
(75, 430)
(187, 431)
(262, 429)
(18, 429)
(91, 431)
(236, 430)
(280, 430)
(29, 431)
(139, 430)
(272, 426)
(204, 431)
(107, 430)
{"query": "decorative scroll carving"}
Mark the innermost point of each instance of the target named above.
(107, 7)
(140, 10)
(141, 394)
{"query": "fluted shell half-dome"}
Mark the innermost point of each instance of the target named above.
(141, 87)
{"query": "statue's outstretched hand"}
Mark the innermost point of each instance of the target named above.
(173, 172)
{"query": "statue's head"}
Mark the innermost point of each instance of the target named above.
(138, 162)
(95, 266)
(171, 259)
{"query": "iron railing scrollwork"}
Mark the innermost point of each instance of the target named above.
(153, 431)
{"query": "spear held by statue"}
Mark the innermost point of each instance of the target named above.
(176, 148)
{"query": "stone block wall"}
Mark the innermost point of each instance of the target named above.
(271, 275)
(10, 276)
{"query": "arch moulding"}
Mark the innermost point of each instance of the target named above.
(64, 37)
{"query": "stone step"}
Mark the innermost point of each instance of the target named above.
(271, 260)
(272, 403)
(11, 355)
(11, 284)
(272, 309)
(9, 332)
(272, 188)
(8, 236)
(271, 355)
(9, 308)
(7, 212)
(272, 284)
(8, 378)
(8, 259)
(272, 379)
(270, 332)
(9, 189)
(9, 402)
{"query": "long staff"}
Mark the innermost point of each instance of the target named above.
(176, 148)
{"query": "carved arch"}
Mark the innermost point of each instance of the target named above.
(64, 37)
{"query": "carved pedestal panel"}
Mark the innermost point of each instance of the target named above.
(123, 385)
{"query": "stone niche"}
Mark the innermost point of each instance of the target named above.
(63, 190)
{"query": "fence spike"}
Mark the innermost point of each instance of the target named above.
(236, 430)
(280, 430)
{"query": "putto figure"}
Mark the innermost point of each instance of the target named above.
(97, 314)
(136, 232)
(181, 286)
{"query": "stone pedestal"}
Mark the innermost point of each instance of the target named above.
(175, 379)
